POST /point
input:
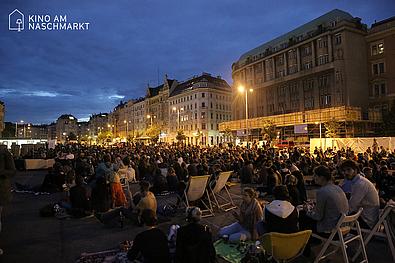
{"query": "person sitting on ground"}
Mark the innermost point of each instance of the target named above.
(273, 179)
(159, 182)
(363, 194)
(300, 185)
(194, 241)
(172, 180)
(250, 214)
(368, 173)
(279, 215)
(146, 198)
(247, 173)
(291, 182)
(150, 246)
(79, 200)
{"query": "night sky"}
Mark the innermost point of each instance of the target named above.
(44, 74)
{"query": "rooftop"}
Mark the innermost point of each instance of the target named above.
(193, 83)
(67, 116)
(334, 15)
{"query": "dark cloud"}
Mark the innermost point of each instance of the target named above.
(46, 74)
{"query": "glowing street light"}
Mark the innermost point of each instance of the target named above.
(320, 123)
(242, 90)
(151, 117)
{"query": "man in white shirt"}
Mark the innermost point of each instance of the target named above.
(363, 194)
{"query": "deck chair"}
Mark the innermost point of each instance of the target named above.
(227, 201)
(196, 191)
(342, 230)
(381, 229)
(285, 247)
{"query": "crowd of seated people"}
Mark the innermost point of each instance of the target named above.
(347, 182)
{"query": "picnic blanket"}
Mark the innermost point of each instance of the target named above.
(108, 256)
(231, 252)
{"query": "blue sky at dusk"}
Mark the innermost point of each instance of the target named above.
(44, 74)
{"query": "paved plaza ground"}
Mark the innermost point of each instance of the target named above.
(27, 237)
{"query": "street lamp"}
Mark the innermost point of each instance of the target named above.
(178, 116)
(151, 117)
(127, 127)
(242, 90)
(320, 123)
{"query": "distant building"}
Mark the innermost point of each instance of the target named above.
(66, 128)
(197, 106)
(83, 131)
(37, 131)
(314, 74)
(138, 113)
(381, 64)
(52, 131)
(97, 124)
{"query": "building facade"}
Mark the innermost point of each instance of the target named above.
(97, 124)
(37, 131)
(381, 64)
(316, 70)
(197, 106)
(66, 128)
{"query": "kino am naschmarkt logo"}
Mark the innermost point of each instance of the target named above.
(16, 21)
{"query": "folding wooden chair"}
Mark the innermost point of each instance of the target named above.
(381, 229)
(342, 230)
(196, 191)
(285, 247)
(227, 201)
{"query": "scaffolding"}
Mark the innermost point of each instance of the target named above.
(339, 114)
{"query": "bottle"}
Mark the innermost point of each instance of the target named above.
(121, 219)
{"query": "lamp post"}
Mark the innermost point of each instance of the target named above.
(149, 116)
(244, 90)
(178, 116)
(320, 123)
(127, 127)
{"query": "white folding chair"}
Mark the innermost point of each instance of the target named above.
(381, 229)
(342, 230)
(227, 201)
(196, 191)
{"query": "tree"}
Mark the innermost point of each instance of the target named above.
(228, 133)
(332, 128)
(269, 131)
(180, 136)
(103, 136)
(153, 132)
(130, 138)
(72, 136)
(198, 135)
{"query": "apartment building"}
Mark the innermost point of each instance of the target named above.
(313, 74)
(197, 106)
